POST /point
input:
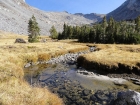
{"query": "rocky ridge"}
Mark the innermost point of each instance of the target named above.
(130, 9)
(92, 16)
(14, 16)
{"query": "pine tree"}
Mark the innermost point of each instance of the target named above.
(98, 33)
(117, 32)
(81, 36)
(33, 30)
(137, 21)
(69, 32)
(75, 32)
(110, 30)
(104, 26)
(92, 35)
(123, 32)
(64, 33)
(53, 32)
(59, 36)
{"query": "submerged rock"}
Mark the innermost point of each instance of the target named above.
(86, 92)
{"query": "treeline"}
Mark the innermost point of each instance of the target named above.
(106, 32)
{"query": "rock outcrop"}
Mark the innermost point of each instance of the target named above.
(129, 10)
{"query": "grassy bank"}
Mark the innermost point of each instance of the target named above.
(113, 58)
(13, 88)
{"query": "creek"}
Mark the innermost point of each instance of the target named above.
(77, 86)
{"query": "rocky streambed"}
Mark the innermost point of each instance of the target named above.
(81, 87)
(75, 89)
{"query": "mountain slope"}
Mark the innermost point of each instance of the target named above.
(130, 9)
(14, 16)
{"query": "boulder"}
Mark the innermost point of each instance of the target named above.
(92, 49)
(127, 98)
(19, 40)
(119, 82)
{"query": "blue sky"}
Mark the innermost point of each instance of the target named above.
(77, 6)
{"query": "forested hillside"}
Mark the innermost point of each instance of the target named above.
(111, 31)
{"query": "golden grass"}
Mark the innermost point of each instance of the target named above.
(112, 57)
(18, 92)
(13, 56)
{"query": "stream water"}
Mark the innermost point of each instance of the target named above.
(79, 89)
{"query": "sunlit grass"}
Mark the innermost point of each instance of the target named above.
(111, 57)
(13, 56)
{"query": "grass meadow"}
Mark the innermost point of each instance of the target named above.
(13, 56)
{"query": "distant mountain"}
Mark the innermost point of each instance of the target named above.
(92, 16)
(130, 9)
(14, 16)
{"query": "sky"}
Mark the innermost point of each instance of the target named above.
(77, 6)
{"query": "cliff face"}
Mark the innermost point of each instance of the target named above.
(14, 16)
(130, 9)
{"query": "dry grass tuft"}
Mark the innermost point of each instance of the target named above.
(74, 50)
(59, 52)
(44, 57)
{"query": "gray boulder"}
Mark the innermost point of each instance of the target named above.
(127, 98)
(19, 40)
